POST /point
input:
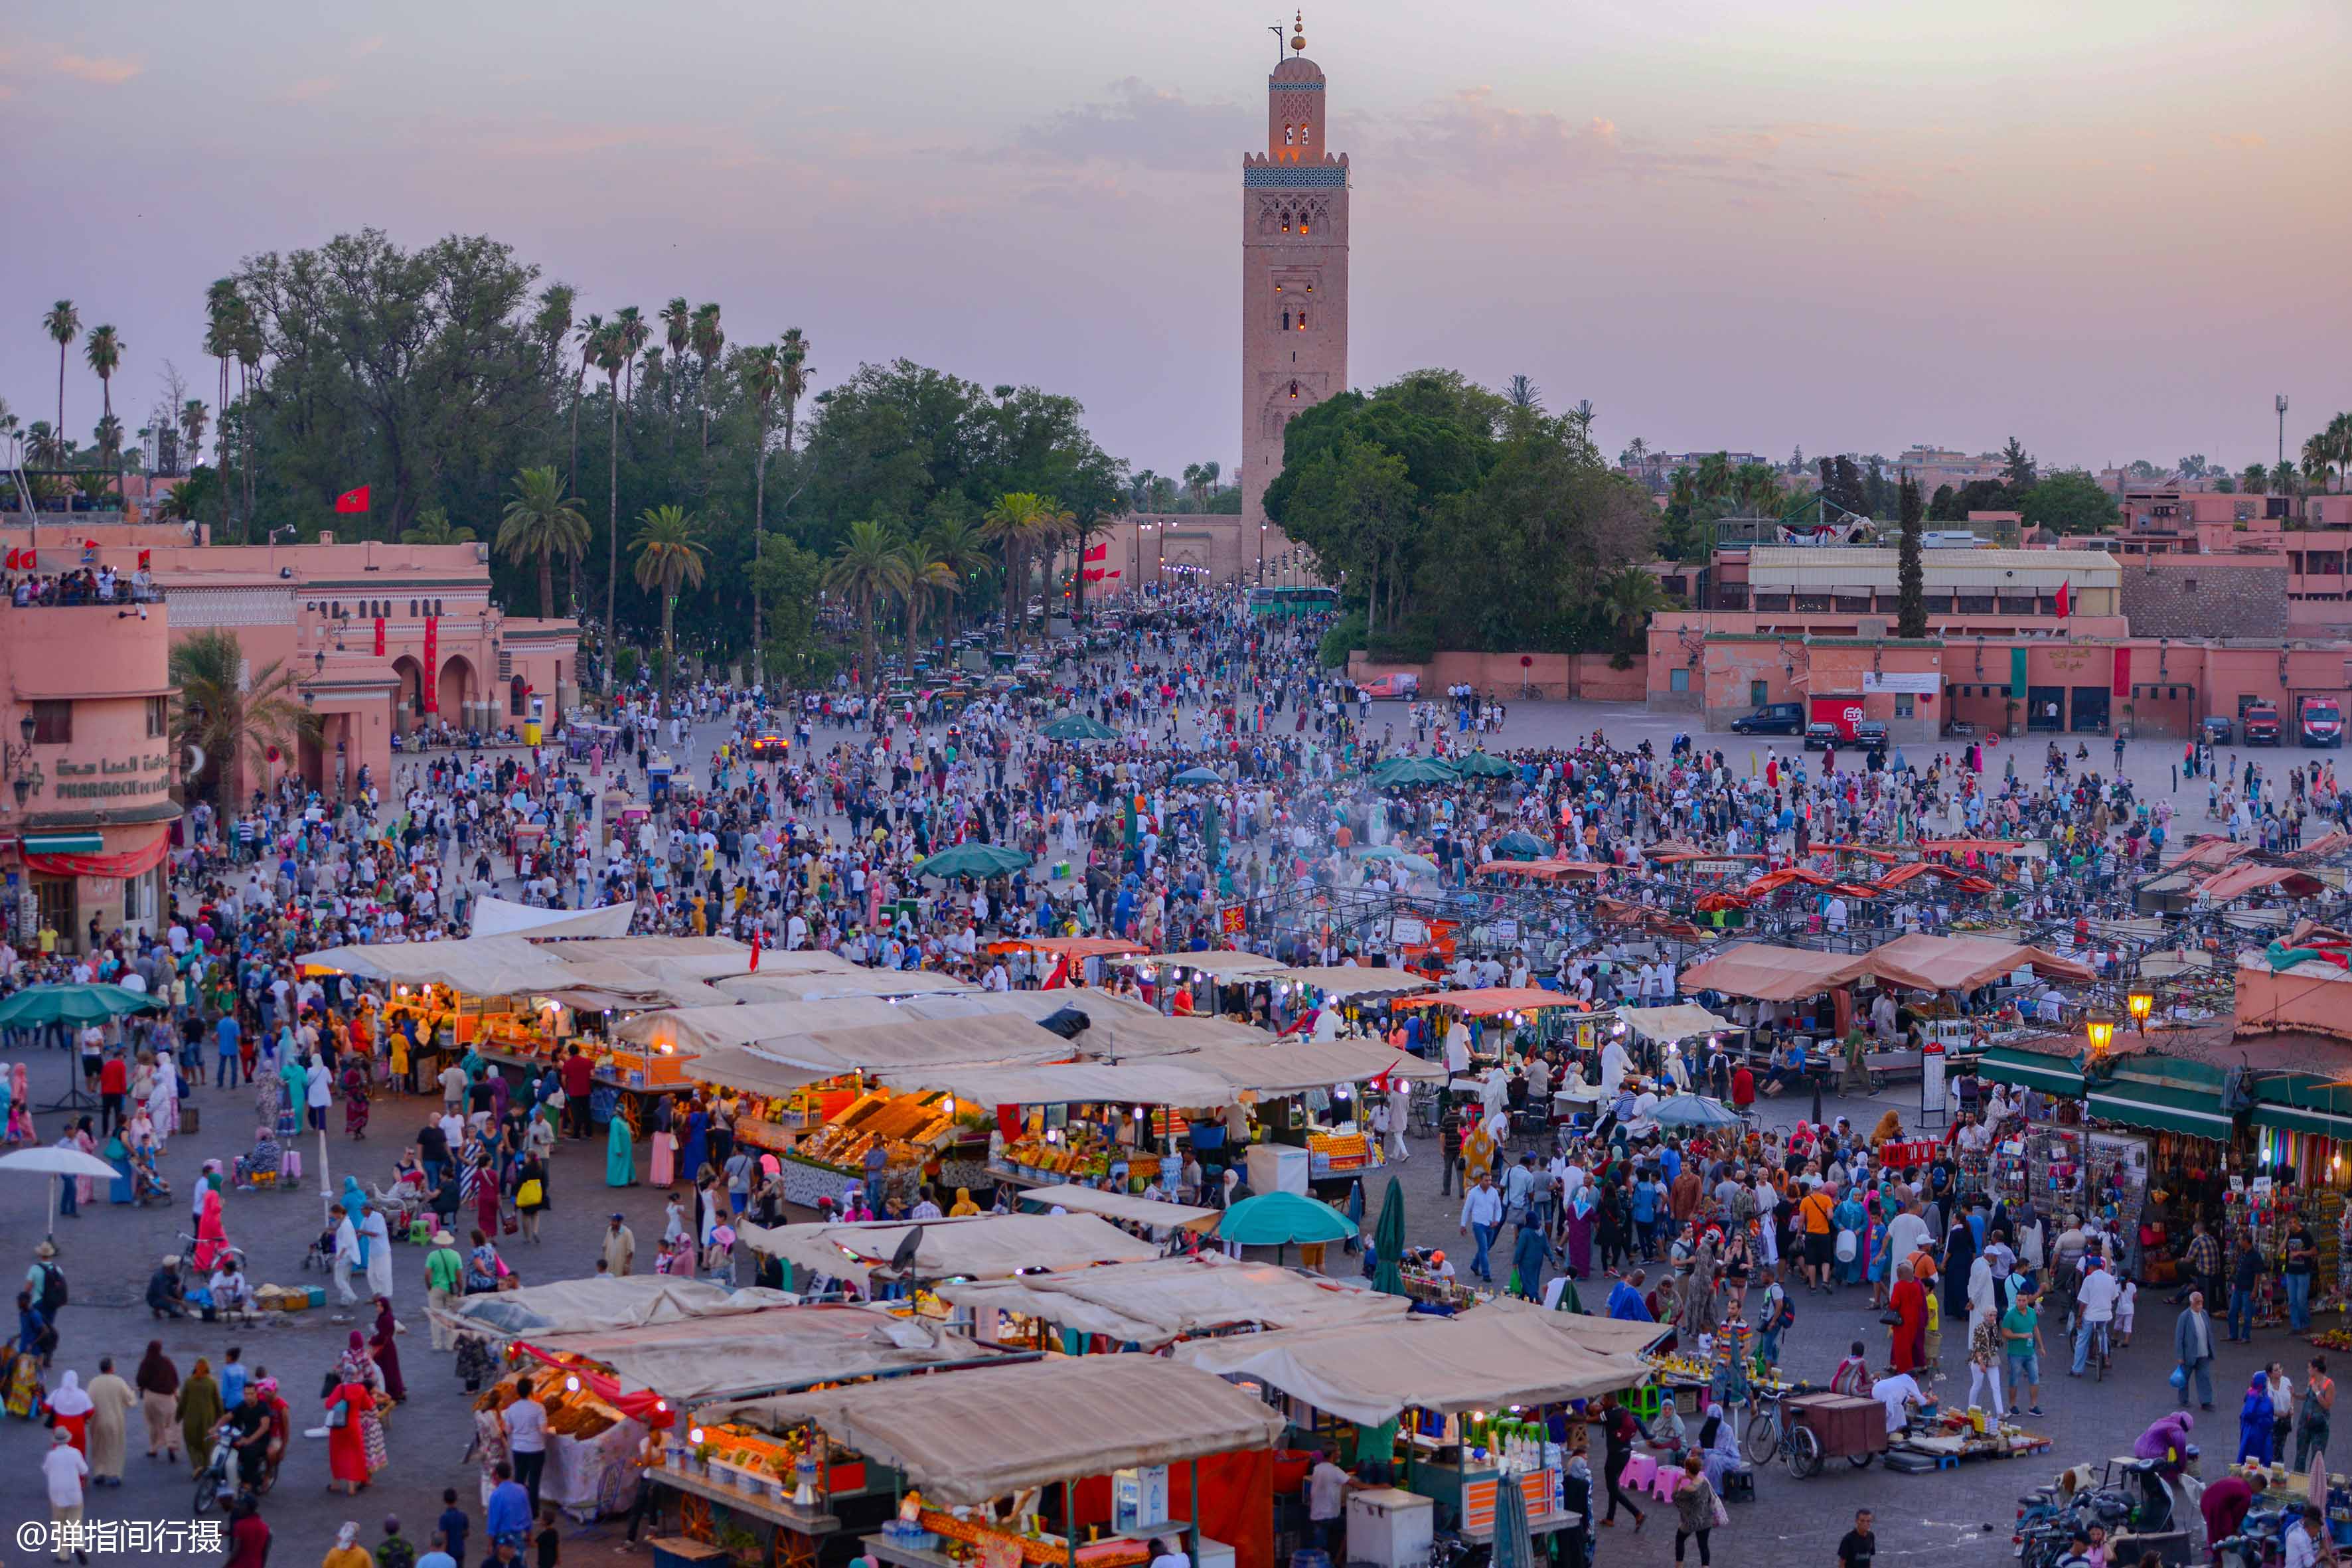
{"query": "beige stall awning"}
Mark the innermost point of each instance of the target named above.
(1371, 1373)
(1124, 1206)
(1339, 981)
(967, 1437)
(605, 1305)
(1152, 1303)
(472, 966)
(1296, 1065)
(779, 1347)
(708, 1028)
(978, 1246)
(1767, 973)
(731, 1067)
(1221, 965)
(1161, 1081)
(1926, 962)
(913, 1043)
(823, 985)
(1682, 1021)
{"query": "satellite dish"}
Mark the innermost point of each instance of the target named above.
(902, 1262)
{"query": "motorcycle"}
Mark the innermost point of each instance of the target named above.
(216, 1482)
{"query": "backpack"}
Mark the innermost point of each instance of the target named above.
(1785, 1319)
(53, 1290)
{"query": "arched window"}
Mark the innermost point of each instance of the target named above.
(1302, 223)
(1286, 222)
(437, 606)
(1286, 136)
(411, 608)
(1302, 320)
(1286, 320)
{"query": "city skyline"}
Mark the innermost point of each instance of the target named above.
(1726, 224)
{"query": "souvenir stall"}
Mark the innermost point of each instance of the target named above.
(1149, 1305)
(1191, 984)
(2299, 1179)
(1363, 998)
(988, 1467)
(1529, 1016)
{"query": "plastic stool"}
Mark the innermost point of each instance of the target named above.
(289, 1165)
(1740, 1484)
(1646, 1402)
(420, 1231)
(1641, 1473)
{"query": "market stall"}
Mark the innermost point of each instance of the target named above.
(967, 1442)
(977, 1246)
(1150, 1304)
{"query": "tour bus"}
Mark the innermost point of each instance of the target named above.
(1288, 602)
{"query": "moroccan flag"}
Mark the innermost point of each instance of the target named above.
(146, 558)
(1100, 552)
(2066, 598)
(379, 637)
(353, 501)
(755, 949)
(432, 664)
(13, 555)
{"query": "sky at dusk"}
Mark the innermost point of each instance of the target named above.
(2113, 227)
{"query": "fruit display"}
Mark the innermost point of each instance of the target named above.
(906, 1127)
(1078, 1153)
(569, 1413)
(1336, 1154)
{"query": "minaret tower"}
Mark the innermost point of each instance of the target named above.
(1294, 271)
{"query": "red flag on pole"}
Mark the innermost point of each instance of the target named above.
(432, 664)
(353, 501)
(379, 637)
(12, 560)
(2066, 598)
(146, 558)
(755, 949)
(1100, 552)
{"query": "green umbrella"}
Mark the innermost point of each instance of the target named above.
(973, 859)
(1196, 776)
(1379, 852)
(1694, 1111)
(1388, 1240)
(71, 1004)
(1278, 1219)
(1416, 771)
(1077, 727)
(1514, 1544)
(1479, 765)
(1518, 845)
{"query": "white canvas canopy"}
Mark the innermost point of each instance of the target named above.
(1152, 1303)
(1296, 1065)
(1124, 1206)
(773, 1348)
(909, 1044)
(1339, 981)
(1371, 1373)
(605, 1305)
(1217, 966)
(967, 1437)
(471, 966)
(978, 1246)
(502, 917)
(824, 984)
(1161, 1081)
(732, 1067)
(1682, 1021)
(684, 1030)
(1117, 1026)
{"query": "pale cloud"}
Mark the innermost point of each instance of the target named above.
(97, 70)
(368, 45)
(2245, 141)
(310, 89)
(1149, 127)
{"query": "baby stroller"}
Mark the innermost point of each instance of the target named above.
(321, 1254)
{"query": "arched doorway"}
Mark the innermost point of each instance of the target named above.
(458, 692)
(517, 692)
(408, 701)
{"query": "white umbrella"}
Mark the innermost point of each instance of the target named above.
(55, 1161)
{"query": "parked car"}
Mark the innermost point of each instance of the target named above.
(1772, 718)
(1404, 687)
(1821, 735)
(1870, 735)
(2262, 722)
(2219, 731)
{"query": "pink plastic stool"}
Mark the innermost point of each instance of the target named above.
(289, 1165)
(1664, 1484)
(1641, 1473)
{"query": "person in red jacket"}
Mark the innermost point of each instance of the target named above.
(1743, 1087)
(114, 1082)
(578, 1078)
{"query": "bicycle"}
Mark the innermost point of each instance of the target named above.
(1770, 1434)
(2099, 1349)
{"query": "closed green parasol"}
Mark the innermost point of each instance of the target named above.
(973, 859)
(1077, 727)
(1415, 771)
(1479, 765)
(1195, 775)
(1388, 1241)
(72, 1005)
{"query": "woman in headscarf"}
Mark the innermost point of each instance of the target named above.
(963, 1205)
(163, 1104)
(1698, 1295)
(212, 1239)
(355, 1099)
(385, 1349)
(1907, 1338)
(376, 1240)
(199, 1410)
(118, 1154)
(1849, 1215)
(696, 1147)
(84, 1139)
(1718, 1445)
(1579, 1225)
(316, 1092)
(349, 1406)
(500, 1092)
(293, 1083)
(70, 1404)
(2253, 1422)
(620, 1152)
(1960, 1256)
(158, 1382)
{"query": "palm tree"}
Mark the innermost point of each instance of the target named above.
(104, 352)
(1197, 483)
(677, 319)
(540, 523)
(2255, 480)
(958, 546)
(708, 339)
(612, 352)
(868, 568)
(232, 715)
(792, 362)
(432, 527)
(1628, 599)
(63, 323)
(926, 577)
(636, 332)
(12, 432)
(2340, 441)
(669, 557)
(108, 438)
(586, 334)
(1016, 523)
(221, 305)
(759, 371)
(193, 418)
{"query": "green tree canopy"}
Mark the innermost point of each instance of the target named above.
(2069, 500)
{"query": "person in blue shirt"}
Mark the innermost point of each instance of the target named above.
(453, 1525)
(509, 1511)
(225, 1038)
(1625, 1299)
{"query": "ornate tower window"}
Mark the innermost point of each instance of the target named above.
(1286, 136)
(1302, 320)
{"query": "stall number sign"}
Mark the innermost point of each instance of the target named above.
(1406, 932)
(1507, 931)
(1715, 867)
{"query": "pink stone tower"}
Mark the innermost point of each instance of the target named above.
(1294, 270)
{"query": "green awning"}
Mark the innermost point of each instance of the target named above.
(2032, 1069)
(64, 843)
(2296, 1119)
(2160, 1107)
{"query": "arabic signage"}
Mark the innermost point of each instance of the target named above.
(109, 778)
(1926, 685)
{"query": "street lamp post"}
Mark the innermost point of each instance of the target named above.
(2280, 404)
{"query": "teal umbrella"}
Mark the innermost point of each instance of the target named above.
(1077, 727)
(1518, 845)
(1415, 771)
(1279, 1219)
(1196, 776)
(1479, 765)
(1694, 1111)
(1379, 852)
(973, 859)
(72, 1005)
(1515, 1544)
(1388, 1241)
(1417, 865)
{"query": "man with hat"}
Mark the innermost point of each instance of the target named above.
(444, 1283)
(63, 1468)
(620, 1247)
